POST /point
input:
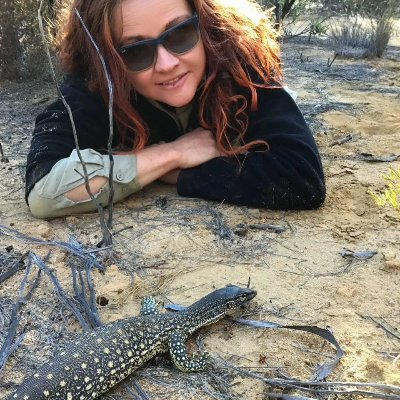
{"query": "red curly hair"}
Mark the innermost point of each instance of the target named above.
(238, 37)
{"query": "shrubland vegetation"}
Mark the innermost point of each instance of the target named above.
(367, 25)
(353, 24)
(21, 51)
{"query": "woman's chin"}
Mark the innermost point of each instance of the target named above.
(178, 101)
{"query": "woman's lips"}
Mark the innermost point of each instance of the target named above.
(175, 82)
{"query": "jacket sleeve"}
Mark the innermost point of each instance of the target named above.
(53, 139)
(288, 175)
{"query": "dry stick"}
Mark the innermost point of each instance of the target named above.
(92, 294)
(60, 293)
(215, 384)
(17, 266)
(385, 326)
(110, 119)
(218, 224)
(310, 386)
(84, 254)
(287, 396)
(342, 140)
(81, 297)
(104, 228)
(7, 349)
(3, 157)
(329, 65)
(268, 227)
(142, 394)
(80, 294)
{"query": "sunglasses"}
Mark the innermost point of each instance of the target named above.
(179, 39)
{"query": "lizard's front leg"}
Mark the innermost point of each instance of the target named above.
(180, 356)
(149, 306)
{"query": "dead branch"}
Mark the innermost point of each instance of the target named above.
(384, 325)
(319, 387)
(8, 347)
(111, 127)
(342, 140)
(80, 252)
(67, 301)
(241, 229)
(17, 266)
(141, 394)
(218, 224)
(89, 307)
(330, 62)
(104, 227)
(3, 157)
(282, 396)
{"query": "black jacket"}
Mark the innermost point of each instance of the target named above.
(287, 176)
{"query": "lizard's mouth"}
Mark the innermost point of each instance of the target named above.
(249, 296)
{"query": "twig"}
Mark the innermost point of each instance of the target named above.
(371, 158)
(344, 269)
(329, 65)
(287, 396)
(3, 157)
(385, 326)
(131, 392)
(218, 225)
(60, 293)
(92, 295)
(89, 308)
(17, 266)
(7, 348)
(342, 140)
(241, 229)
(101, 242)
(141, 394)
(104, 228)
(312, 386)
(111, 127)
(78, 251)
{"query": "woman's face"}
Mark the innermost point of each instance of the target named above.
(173, 79)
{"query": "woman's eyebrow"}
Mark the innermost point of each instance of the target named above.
(176, 21)
(170, 24)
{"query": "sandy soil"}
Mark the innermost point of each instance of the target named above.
(180, 249)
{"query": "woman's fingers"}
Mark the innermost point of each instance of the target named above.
(196, 147)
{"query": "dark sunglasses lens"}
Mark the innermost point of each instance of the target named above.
(177, 40)
(140, 57)
(182, 39)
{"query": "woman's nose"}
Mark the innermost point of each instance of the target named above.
(166, 61)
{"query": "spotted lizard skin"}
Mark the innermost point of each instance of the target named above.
(98, 360)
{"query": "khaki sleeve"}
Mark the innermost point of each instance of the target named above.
(47, 200)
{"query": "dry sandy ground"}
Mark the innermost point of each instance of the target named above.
(180, 249)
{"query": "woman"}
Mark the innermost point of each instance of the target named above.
(198, 103)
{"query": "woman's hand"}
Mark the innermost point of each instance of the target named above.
(192, 149)
(164, 161)
(195, 148)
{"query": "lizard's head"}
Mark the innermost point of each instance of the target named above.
(235, 297)
(216, 304)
